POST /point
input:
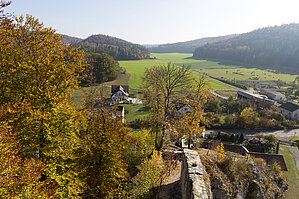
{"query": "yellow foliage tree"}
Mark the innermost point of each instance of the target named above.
(193, 122)
(37, 75)
(221, 154)
(249, 118)
(150, 173)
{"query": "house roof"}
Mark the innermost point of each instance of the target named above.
(290, 107)
(115, 88)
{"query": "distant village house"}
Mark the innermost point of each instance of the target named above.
(260, 100)
(272, 94)
(290, 111)
(119, 92)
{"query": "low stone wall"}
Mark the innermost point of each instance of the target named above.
(192, 177)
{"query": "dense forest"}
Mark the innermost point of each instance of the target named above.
(188, 46)
(117, 48)
(272, 47)
(104, 67)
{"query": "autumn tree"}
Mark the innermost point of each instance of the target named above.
(161, 84)
(221, 154)
(37, 75)
(101, 160)
(192, 123)
(248, 118)
(20, 177)
(149, 176)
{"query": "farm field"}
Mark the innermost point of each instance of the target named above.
(247, 74)
(136, 69)
(215, 69)
(185, 59)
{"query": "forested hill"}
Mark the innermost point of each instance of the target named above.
(188, 46)
(70, 40)
(119, 49)
(273, 47)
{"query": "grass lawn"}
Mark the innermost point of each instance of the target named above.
(227, 93)
(292, 173)
(185, 59)
(135, 111)
(79, 95)
(216, 69)
(247, 74)
(136, 69)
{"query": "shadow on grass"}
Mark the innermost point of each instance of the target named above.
(274, 69)
(297, 143)
(144, 108)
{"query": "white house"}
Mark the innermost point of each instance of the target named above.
(290, 111)
(183, 109)
(119, 93)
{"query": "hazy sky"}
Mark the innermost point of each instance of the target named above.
(158, 21)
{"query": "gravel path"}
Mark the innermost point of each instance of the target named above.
(285, 135)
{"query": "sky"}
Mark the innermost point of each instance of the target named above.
(158, 21)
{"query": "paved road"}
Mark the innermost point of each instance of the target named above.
(285, 135)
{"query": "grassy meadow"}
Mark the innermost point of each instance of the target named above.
(136, 68)
(292, 173)
(248, 74)
(218, 70)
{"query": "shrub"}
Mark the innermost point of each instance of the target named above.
(276, 167)
(259, 161)
(149, 175)
(221, 154)
(270, 139)
(141, 146)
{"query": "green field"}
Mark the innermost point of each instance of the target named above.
(185, 59)
(136, 69)
(292, 173)
(248, 74)
(215, 69)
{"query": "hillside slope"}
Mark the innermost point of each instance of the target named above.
(272, 47)
(119, 49)
(188, 46)
(70, 40)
